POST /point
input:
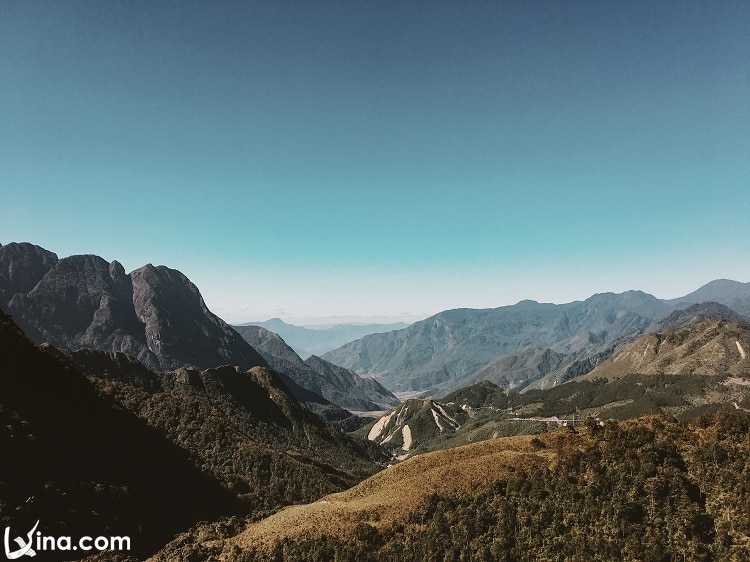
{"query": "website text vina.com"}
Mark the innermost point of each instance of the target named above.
(36, 542)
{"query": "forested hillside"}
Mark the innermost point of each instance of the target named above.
(652, 489)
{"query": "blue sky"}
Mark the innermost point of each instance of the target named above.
(382, 160)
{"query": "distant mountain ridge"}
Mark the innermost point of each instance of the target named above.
(449, 349)
(158, 316)
(155, 313)
(306, 341)
(732, 294)
(340, 386)
(686, 371)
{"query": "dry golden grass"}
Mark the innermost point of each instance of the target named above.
(391, 494)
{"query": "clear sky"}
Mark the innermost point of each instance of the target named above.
(382, 159)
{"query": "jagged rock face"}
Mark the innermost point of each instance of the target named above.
(155, 314)
(83, 301)
(179, 328)
(21, 267)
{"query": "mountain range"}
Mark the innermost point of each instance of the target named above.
(158, 316)
(199, 460)
(520, 344)
(307, 341)
(340, 386)
(684, 371)
(154, 313)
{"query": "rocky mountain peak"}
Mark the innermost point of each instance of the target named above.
(22, 265)
(155, 314)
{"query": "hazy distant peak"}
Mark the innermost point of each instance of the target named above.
(275, 322)
(719, 287)
(723, 283)
(527, 303)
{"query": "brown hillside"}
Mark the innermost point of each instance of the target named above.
(705, 348)
(392, 494)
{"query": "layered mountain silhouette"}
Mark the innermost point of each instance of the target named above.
(319, 340)
(733, 294)
(154, 313)
(687, 371)
(158, 316)
(145, 414)
(516, 345)
(340, 386)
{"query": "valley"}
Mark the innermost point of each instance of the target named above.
(521, 414)
(341, 281)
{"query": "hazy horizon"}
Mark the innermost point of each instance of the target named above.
(371, 160)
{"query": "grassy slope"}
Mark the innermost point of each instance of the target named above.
(391, 494)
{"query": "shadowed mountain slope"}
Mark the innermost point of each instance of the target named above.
(244, 427)
(98, 444)
(155, 314)
(82, 465)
